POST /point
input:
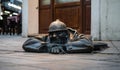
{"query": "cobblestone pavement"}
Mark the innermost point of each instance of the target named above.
(13, 57)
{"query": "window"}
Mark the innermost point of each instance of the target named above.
(45, 2)
(66, 1)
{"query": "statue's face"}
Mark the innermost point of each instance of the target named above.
(59, 37)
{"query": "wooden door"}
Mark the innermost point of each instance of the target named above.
(86, 16)
(44, 15)
(71, 12)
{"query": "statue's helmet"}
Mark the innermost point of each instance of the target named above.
(57, 26)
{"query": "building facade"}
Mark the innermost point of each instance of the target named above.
(104, 19)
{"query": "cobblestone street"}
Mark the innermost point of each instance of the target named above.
(13, 57)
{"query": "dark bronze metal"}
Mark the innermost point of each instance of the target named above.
(62, 39)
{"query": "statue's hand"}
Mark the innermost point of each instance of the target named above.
(55, 50)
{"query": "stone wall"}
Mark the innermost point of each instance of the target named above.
(105, 19)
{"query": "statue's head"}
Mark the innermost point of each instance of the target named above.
(58, 32)
(57, 26)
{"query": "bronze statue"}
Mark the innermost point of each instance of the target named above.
(62, 39)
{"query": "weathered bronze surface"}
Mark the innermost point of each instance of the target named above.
(62, 39)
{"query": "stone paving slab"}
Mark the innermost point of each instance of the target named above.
(44, 61)
(114, 47)
(12, 57)
(12, 43)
